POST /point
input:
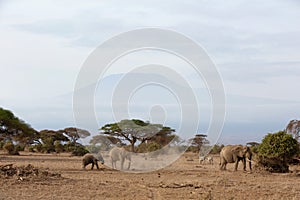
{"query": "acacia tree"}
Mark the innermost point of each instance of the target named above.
(105, 141)
(132, 130)
(14, 129)
(48, 139)
(164, 136)
(198, 141)
(293, 128)
(74, 134)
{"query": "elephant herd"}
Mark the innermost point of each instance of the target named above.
(228, 154)
(115, 154)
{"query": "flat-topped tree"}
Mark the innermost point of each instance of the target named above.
(14, 129)
(293, 128)
(105, 141)
(132, 130)
(164, 136)
(198, 141)
(48, 138)
(74, 134)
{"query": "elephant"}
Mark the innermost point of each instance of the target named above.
(91, 159)
(234, 154)
(119, 153)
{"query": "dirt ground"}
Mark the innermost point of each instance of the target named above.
(184, 179)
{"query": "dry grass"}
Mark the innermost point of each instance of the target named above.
(184, 179)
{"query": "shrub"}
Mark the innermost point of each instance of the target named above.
(31, 149)
(47, 148)
(58, 147)
(79, 150)
(153, 146)
(216, 149)
(276, 150)
(38, 147)
(148, 147)
(2, 143)
(19, 147)
(192, 149)
(10, 148)
(141, 148)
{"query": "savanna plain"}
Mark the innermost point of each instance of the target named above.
(183, 179)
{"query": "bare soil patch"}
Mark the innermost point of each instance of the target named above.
(184, 179)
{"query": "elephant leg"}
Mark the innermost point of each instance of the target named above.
(97, 165)
(244, 163)
(92, 165)
(223, 163)
(122, 163)
(129, 163)
(112, 164)
(223, 166)
(250, 165)
(236, 165)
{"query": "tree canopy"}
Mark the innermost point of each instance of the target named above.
(135, 130)
(293, 128)
(279, 145)
(198, 141)
(14, 129)
(74, 133)
(276, 150)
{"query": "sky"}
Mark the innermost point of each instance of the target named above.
(254, 45)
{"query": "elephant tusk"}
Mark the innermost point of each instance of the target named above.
(250, 161)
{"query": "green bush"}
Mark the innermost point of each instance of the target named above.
(148, 147)
(276, 151)
(38, 147)
(254, 149)
(10, 148)
(19, 147)
(2, 144)
(216, 149)
(141, 148)
(31, 149)
(192, 149)
(58, 147)
(153, 146)
(79, 150)
(48, 148)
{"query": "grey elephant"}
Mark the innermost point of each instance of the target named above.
(92, 159)
(234, 154)
(119, 154)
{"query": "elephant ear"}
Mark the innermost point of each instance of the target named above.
(246, 149)
(236, 149)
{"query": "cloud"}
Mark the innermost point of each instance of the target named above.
(255, 46)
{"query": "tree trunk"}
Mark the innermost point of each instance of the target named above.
(132, 142)
(132, 146)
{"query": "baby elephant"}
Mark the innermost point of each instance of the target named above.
(91, 159)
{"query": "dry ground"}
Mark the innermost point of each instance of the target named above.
(184, 179)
